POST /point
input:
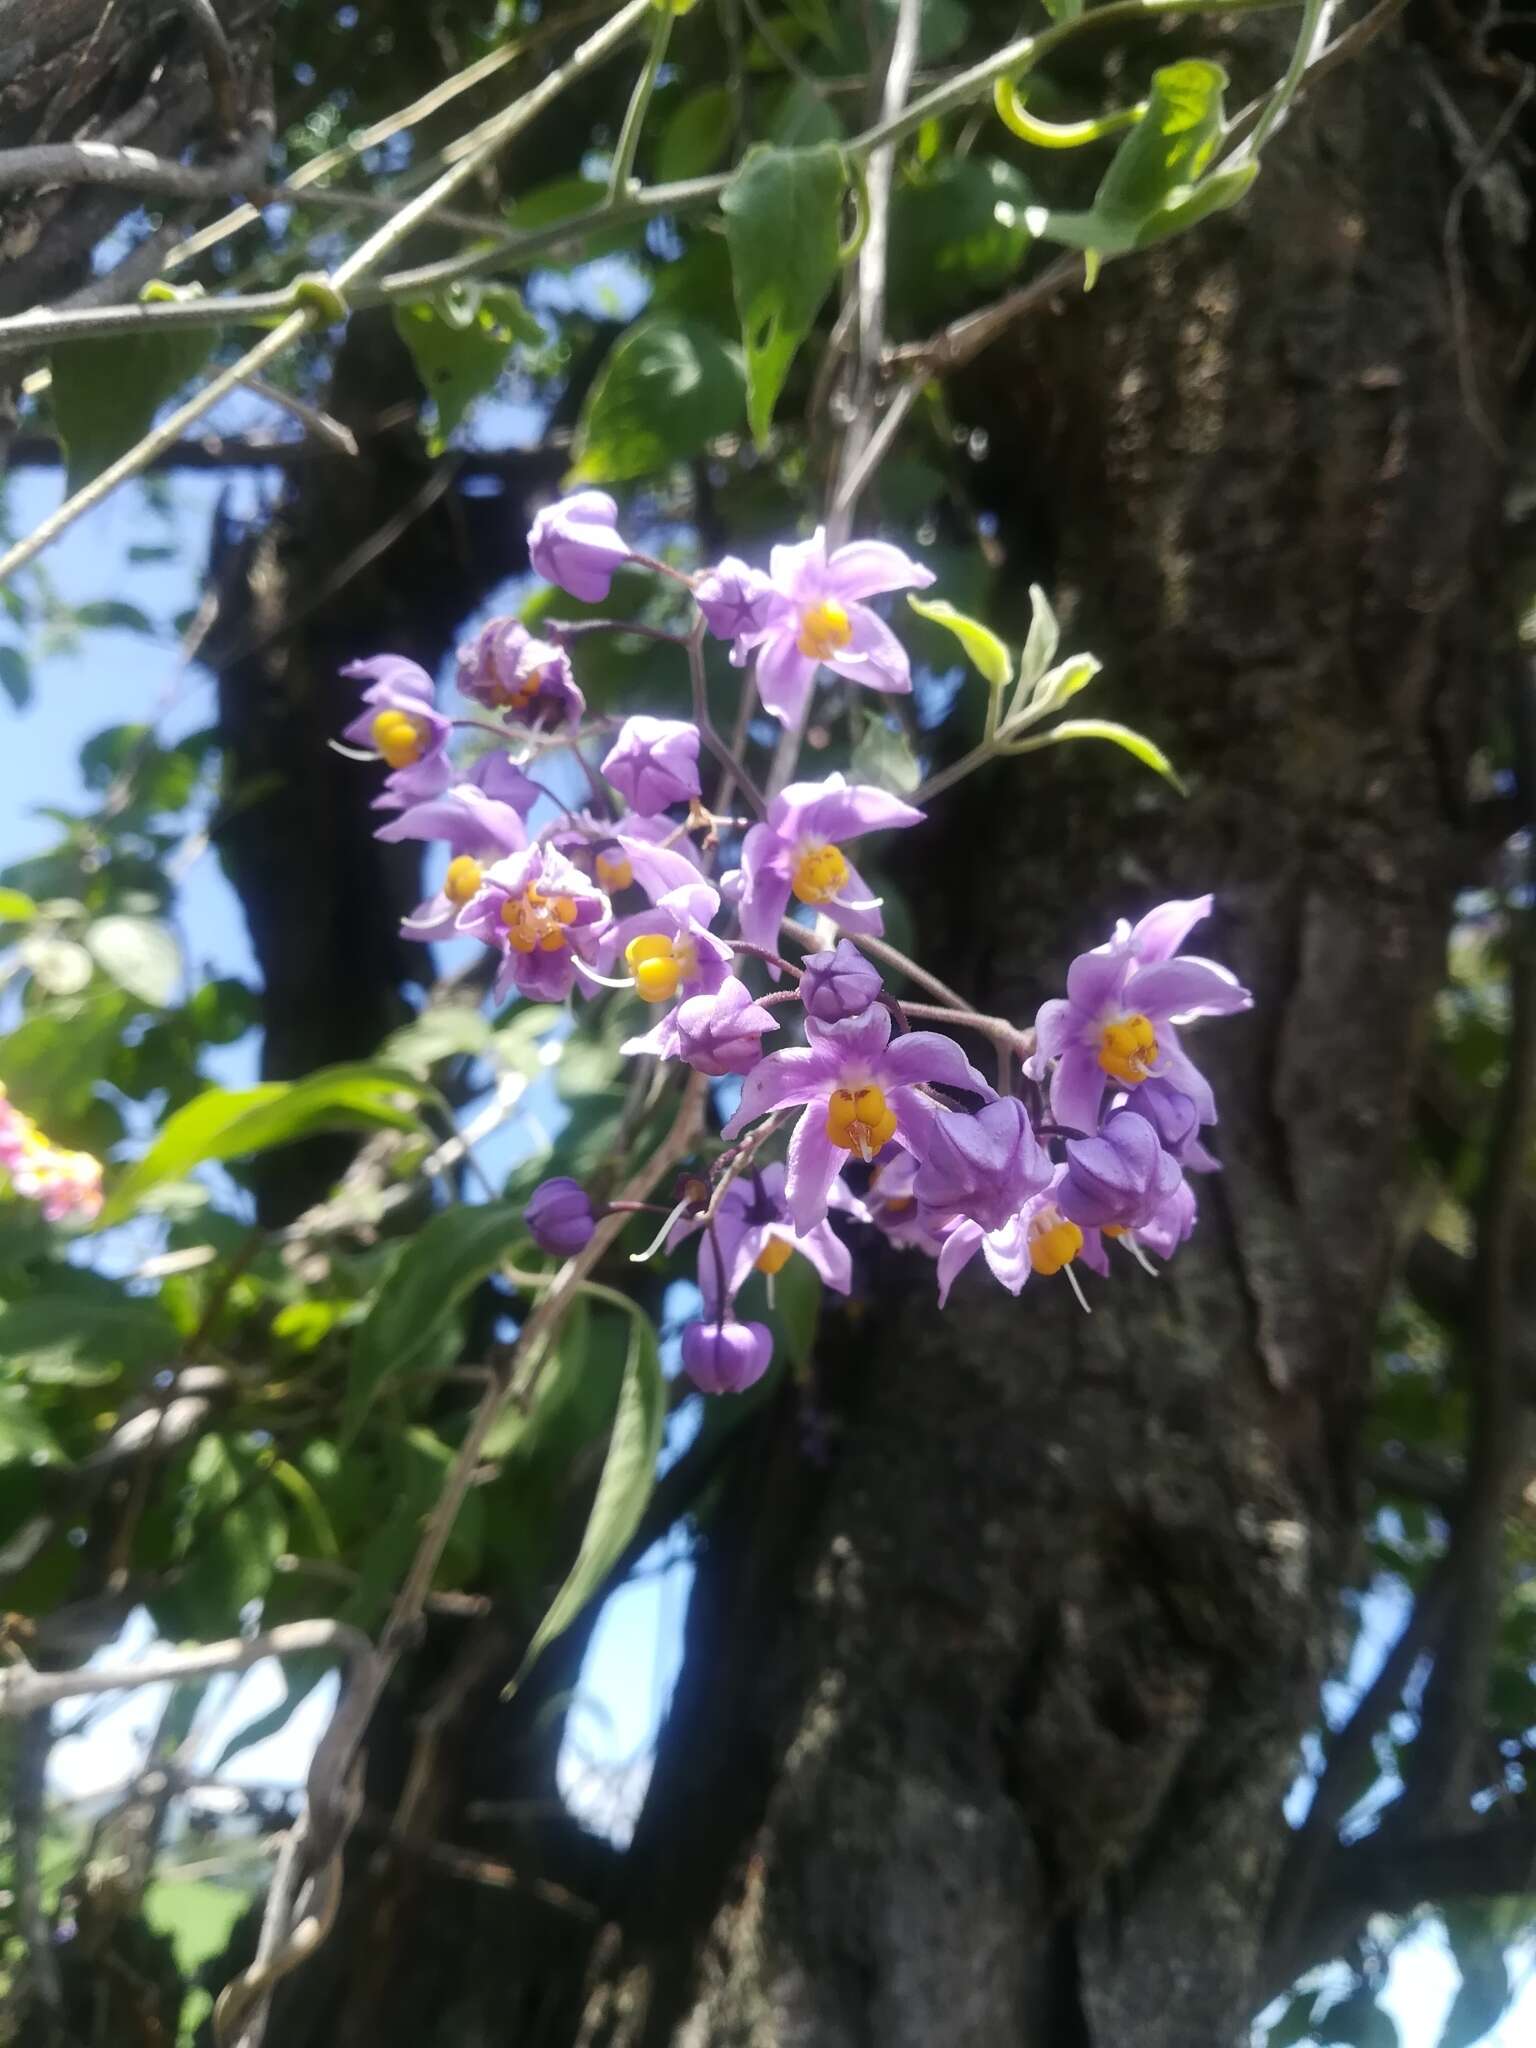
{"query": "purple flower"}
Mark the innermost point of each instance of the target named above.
(1117, 1022)
(505, 781)
(478, 831)
(891, 1205)
(861, 1092)
(726, 1357)
(722, 1033)
(671, 952)
(559, 1217)
(738, 602)
(1119, 1179)
(1038, 1239)
(1167, 1228)
(752, 1232)
(814, 617)
(654, 762)
(402, 727)
(506, 669)
(539, 909)
(797, 851)
(575, 543)
(838, 984)
(982, 1167)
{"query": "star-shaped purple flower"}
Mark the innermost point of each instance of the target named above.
(402, 727)
(576, 543)
(478, 830)
(671, 952)
(547, 918)
(797, 851)
(654, 762)
(752, 1230)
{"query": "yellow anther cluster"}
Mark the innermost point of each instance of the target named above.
(660, 965)
(819, 874)
(1053, 1241)
(1128, 1049)
(859, 1120)
(398, 739)
(613, 871)
(535, 923)
(824, 630)
(462, 878)
(519, 695)
(774, 1256)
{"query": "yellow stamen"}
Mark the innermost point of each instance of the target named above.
(1053, 1241)
(534, 924)
(774, 1256)
(824, 630)
(462, 878)
(397, 739)
(859, 1120)
(818, 875)
(1128, 1049)
(614, 871)
(660, 965)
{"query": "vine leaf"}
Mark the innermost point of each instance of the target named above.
(782, 213)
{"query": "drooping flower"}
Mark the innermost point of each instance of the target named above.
(575, 542)
(478, 831)
(1038, 1239)
(1119, 1179)
(62, 1183)
(752, 1231)
(559, 1216)
(726, 1357)
(860, 1090)
(654, 762)
(671, 952)
(506, 669)
(544, 914)
(401, 725)
(737, 601)
(797, 851)
(1168, 1227)
(816, 618)
(722, 1033)
(1116, 1026)
(838, 984)
(982, 1166)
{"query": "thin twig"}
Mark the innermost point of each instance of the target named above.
(223, 87)
(44, 165)
(25, 1691)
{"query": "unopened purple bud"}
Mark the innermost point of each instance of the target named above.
(838, 984)
(983, 1166)
(559, 1216)
(736, 599)
(654, 762)
(723, 1033)
(1170, 1112)
(728, 1357)
(1119, 1179)
(575, 542)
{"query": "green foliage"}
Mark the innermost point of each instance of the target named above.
(460, 341)
(696, 136)
(781, 200)
(958, 230)
(106, 393)
(986, 652)
(669, 388)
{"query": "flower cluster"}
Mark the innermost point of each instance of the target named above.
(636, 885)
(61, 1183)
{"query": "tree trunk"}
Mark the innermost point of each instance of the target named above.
(987, 1743)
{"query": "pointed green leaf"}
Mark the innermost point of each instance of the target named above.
(1145, 751)
(440, 1266)
(624, 1487)
(233, 1123)
(883, 755)
(460, 341)
(1055, 688)
(697, 136)
(140, 954)
(669, 388)
(1041, 642)
(106, 393)
(782, 213)
(987, 652)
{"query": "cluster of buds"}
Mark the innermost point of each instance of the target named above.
(61, 1183)
(642, 891)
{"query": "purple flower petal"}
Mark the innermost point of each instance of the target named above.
(1162, 931)
(1077, 1089)
(873, 656)
(784, 676)
(1006, 1252)
(797, 1074)
(930, 1056)
(1185, 987)
(853, 1042)
(1175, 1066)
(827, 1252)
(955, 1254)
(865, 568)
(836, 809)
(765, 886)
(814, 1162)
(1095, 980)
(1055, 1023)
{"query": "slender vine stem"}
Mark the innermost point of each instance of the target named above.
(628, 145)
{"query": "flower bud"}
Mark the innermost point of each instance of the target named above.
(735, 599)
(654, 762)
(1119, 1179)
(575, 543)
(506, 669)
(726, 1357)
(559, 1217)
(722, 1033)
(983, 1166)
(838, 984)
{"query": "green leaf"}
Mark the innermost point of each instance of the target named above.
(782, 213)
(234, 1123)
(564, 199)
(106, 393)
(114, 612)
(460, 340)
(668, 389)
(697, 135)
(624, 1487)
(140, 954)
(74, 1340)
(1145, 750)
(802, 118)
(236, 1531)
(883, 755)
(16, 677)
(443, 1031)
(16, 907)
(960, 229)
(1040, 644)
(986, 651)
(1056, 687)
(58, 965)
(796, 1311)
(443, 1263)
(24, 1436)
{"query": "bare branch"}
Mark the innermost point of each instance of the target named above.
(46, 164)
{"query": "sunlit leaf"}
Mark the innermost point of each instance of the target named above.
(987, 653)
(460, 341)
(140, 954)
(781, 200)
(106, 393)
(669, 388)
(1146, 751)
